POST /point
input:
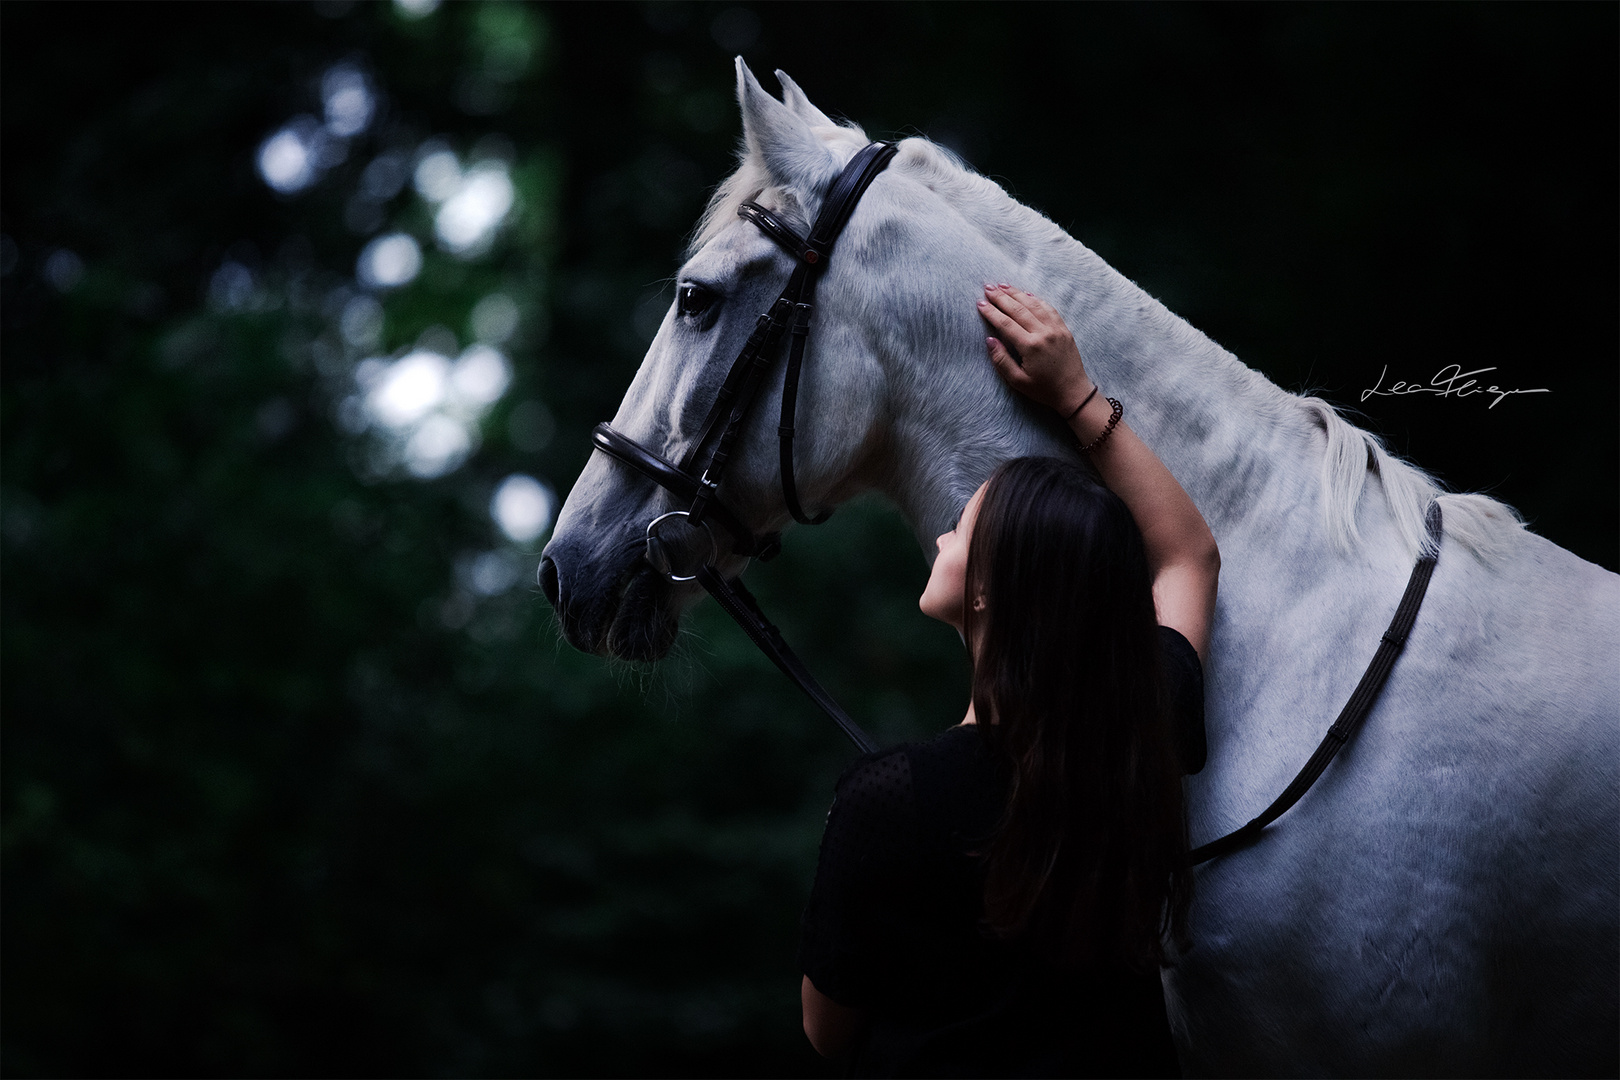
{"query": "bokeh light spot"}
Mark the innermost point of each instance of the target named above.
(285, 162)
(522, 508)
(348, 99)
(389, 261)
(416, 9)
(490, 573)
(64, 270)
(470, 216)
(438, 173)
(362, 322)
(231, 287)
(495, 318)
(386, 174)
(480, 377)
(437, 447)
(410, 388)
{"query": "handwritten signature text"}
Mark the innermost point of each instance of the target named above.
(1449, 381)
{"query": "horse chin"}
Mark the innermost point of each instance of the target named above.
(644, 624)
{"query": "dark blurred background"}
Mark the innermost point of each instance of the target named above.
(307, 312)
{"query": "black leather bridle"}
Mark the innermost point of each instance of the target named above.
(790, 314)
(696, 479)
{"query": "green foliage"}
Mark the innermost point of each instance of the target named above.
(287, 790)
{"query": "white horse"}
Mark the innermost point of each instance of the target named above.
(1445, 900)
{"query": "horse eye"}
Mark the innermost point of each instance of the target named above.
(693, 299)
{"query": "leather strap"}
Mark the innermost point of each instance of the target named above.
(739, 603)
(727, 415)
(1355, 710)
(756, 358)
(846, 191)
(784, 430)
(779, 230)
(663, 472)
(840, 203)
(766, 333)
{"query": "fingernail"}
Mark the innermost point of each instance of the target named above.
(984, 303)
(991, 342)
(1004, 285)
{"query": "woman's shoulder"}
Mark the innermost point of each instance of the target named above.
(922, 782)
(1178, 652)
(874, 791)
(960, 792)
(892, 767)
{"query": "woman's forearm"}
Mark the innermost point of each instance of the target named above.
(1173, 530)
(1047, 366)
(1181, 551)
(830, 1027)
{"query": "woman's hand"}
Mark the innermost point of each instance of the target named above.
(1046, 364)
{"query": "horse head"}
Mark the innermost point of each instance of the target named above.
(895, 298)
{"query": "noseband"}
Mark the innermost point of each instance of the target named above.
(696, 479)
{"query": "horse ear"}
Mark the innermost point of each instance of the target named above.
(792, 154)
(800, 105)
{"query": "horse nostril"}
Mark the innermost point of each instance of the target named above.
(550, 583)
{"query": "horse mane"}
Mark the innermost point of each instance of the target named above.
(1485, 525)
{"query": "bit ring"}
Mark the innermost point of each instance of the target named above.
(654, 542)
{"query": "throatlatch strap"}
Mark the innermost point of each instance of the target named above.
(835, 213)
(784, 430)
(1355, 710)
(739, 603)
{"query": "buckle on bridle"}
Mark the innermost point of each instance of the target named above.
(658, 553)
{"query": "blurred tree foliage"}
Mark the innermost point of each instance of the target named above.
(298, 778)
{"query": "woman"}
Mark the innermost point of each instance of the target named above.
(995, 901)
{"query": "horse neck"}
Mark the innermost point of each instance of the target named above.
(1238, 443)
(1243, 448)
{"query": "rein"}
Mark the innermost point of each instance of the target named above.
(1355, 710)
(790, 315)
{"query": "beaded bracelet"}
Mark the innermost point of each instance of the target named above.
(1113, 422)
(1076, 410)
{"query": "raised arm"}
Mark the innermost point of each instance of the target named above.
(1181, 550)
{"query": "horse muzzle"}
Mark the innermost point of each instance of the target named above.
(614, 604)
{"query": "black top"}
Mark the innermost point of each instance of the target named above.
(893, 924)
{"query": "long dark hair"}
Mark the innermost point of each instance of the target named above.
(1089, 860)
